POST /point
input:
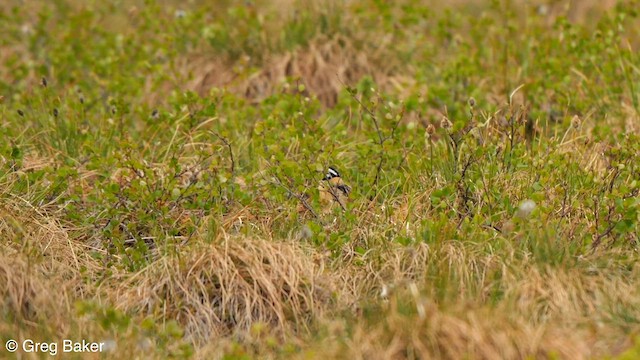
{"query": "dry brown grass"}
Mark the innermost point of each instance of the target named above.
(221, 289)
(542, 312)
(45, 241)
(324, 66)
(26, 293)
(455, 333)
(43, 271)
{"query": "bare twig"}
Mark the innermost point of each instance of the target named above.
(374, 118)
(607, 231)
(300, 197)
(228, 144)
(336, 198)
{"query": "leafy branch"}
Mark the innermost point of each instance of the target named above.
(376, 123)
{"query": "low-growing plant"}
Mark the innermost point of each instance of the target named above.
(162, 166)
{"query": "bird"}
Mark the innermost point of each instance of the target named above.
(333, 190)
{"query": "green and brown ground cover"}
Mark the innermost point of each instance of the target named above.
(159, 164)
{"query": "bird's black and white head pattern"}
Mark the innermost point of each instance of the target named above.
(331, 173)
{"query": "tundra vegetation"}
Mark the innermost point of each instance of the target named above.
(160, 163)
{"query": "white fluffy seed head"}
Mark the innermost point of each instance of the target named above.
(526, 208)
